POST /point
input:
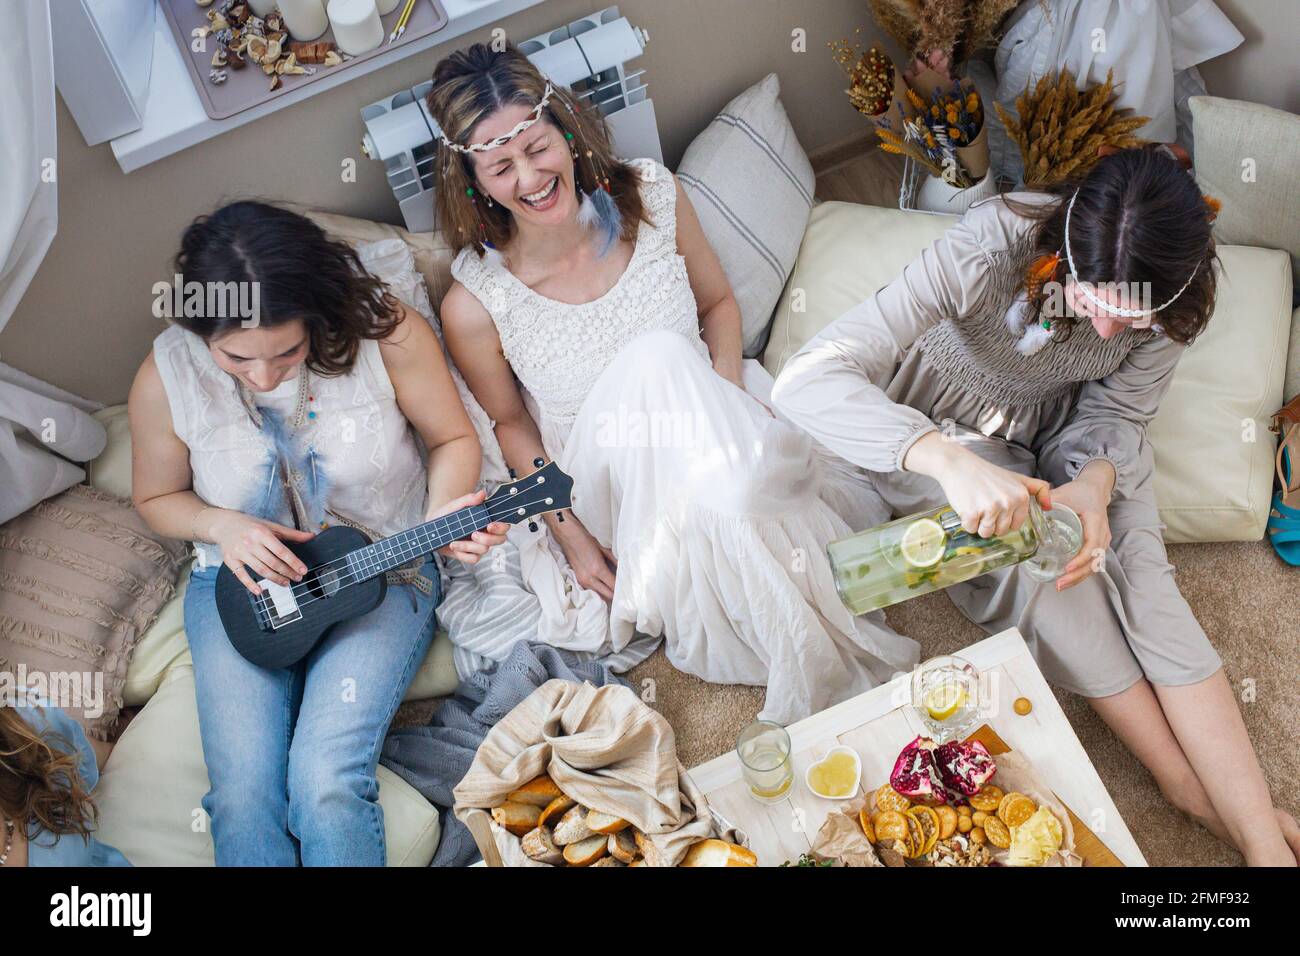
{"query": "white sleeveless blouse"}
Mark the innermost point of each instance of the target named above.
(558, 349)
(370, 467)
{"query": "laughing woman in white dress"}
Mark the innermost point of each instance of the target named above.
(595, 325)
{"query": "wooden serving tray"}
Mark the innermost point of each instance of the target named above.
(250, 87)
(1086, 843)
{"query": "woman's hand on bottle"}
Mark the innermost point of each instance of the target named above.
(253, 544)
(594, 565)
(990, 500)
(469, 550)
(1089, 497)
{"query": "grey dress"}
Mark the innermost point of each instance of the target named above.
(937, 348)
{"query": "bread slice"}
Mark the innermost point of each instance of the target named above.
(718, 853)
(539, 792)
(572, 827)
(622, 846)
(585, 852)
(647, 849)
(608, 861)
(552, 811)
(639, 861)
(605, 822)
(518, 818)
(538, 845)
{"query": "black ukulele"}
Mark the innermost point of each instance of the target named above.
(345, 571)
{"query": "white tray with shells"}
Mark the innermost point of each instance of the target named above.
(239, 60)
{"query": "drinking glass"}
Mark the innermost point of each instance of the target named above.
(764, 751)
(1060, 536)
(946, 697)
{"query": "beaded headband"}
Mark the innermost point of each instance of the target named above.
(1106, 306)
(506, 137)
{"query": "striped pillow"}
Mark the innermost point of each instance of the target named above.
(752, 186)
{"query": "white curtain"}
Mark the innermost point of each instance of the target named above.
(28, 204)
(1152, 45)
(43, 430)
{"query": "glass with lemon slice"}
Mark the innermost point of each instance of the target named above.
(924, 552)
(945, 696)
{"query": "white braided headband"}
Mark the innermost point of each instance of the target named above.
(1084, 287)
(506, 137)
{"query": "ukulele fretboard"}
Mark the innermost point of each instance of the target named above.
(403, 547)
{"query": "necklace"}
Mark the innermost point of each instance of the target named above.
(9, 842)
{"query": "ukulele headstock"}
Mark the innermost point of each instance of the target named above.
(523, 499)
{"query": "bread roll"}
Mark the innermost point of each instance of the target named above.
(622, 846)
(718, 853)
(586, 852)
(572, 827)
(538, 845)
(539, 792)
(553, 810)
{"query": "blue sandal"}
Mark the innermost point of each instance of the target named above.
(1284, 519)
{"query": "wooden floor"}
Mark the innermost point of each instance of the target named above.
(856, 170)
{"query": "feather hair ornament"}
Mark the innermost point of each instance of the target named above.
(608, 222)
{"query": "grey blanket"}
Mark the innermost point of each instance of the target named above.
(434, 758)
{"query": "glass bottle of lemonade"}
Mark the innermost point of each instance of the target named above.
(923, 552)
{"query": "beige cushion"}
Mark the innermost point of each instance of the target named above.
(1235, 139)
(1212, 480)
(81, 580)
(164, 645)
(752, 187)
(432, 254)
(150, 790)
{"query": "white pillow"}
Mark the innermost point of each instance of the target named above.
(150, 790)
(1213, 474)
(752, 186)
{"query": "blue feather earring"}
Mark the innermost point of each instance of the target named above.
(597, 210)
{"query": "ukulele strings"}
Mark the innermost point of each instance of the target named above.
(348, 578)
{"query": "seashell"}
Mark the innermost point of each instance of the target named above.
(236, 60)
(219, 58)
(217, 20)
(275, 83)
(273, 50)
(332, 59)
(256, 48)
(217, 77)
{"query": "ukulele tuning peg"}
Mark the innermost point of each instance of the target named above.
(512, 474)
(532, 526)
(538, 462)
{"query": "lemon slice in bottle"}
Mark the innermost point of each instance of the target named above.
(943, 700)
(923, 543)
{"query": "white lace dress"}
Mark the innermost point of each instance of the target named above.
(713, 507)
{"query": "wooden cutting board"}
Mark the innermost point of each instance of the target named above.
(1086, 843)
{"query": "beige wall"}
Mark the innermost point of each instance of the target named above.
(85, 323)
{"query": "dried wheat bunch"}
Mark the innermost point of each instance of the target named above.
(1060, 129)
(983, 19)
(898, 19)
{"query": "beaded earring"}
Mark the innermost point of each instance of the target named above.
(597, 210)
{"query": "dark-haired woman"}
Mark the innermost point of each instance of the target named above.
(250, 431)
(1041, 332)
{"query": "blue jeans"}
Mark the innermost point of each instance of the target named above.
(291, 753)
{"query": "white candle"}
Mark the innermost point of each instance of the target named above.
(387, 6)
(262, 8)
(356, 25)
(305, 19)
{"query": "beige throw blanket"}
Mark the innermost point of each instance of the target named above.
(604, 748)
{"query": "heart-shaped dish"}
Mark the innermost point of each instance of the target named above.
(857, 773)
